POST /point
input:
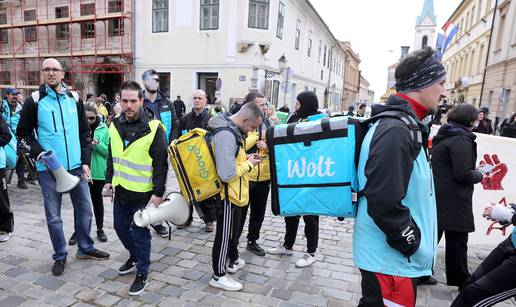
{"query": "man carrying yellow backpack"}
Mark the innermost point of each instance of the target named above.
(233, 171)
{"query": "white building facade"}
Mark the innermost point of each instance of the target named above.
(365, 95)
(231, 47)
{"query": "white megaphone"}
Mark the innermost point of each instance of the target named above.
(65, 182)
(174, 209)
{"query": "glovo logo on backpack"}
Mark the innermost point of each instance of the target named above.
(203, 172)
(192, 160)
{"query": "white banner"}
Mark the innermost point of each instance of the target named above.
(498, 187)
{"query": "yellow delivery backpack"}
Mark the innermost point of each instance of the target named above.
(191, 156)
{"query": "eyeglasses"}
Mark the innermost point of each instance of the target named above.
(91, 118)
(51, 69)
(197, 98)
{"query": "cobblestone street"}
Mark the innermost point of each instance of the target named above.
(181, 268)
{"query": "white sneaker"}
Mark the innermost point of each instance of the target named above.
(280, 250)
(235, 266)
(4, 236)
(307, 260)
(226, 283)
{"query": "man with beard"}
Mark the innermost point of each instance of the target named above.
(162, 110)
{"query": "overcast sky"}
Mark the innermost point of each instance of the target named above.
(377, 29)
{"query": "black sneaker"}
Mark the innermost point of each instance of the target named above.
(161, 230)
(58, 267)
(101, 235)
(188, 223)
(139, 284)
(73, 240)
(255, 248)
(426, 280)
(94, 254)
(127, 267)
(22, 185)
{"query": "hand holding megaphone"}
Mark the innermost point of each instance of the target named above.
(155, 201)
(174, 209)
(65, 182)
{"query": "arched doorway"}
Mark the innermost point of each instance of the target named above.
(109, 84)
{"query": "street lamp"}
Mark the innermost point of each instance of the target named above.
(282, 62)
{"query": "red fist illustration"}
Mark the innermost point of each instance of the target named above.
(493, 180)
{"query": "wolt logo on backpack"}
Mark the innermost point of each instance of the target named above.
(310, 169)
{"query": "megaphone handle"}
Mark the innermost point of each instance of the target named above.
(169, 230)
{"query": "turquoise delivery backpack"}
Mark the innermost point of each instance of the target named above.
(11, 152)
(314, 164)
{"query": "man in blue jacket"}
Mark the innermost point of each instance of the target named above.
(164, 111)
(395, 237)
(57, 116)
(12, 108)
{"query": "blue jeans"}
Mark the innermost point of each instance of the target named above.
(136, 240)
(81, 202)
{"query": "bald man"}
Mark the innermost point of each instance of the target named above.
(198, 118)
(57, 115)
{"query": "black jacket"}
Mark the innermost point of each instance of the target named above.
(509, 130)
(192, 120)
(162, 106)
(5, 133)
(131, 131)
(180, 107)
(454, 156)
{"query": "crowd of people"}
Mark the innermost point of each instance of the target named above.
(119, 150)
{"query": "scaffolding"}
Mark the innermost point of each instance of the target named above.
(92, 39)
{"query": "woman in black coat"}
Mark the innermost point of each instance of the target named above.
(454, 155)
(306, 108)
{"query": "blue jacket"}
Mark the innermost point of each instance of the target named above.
(396, 224)
(11, 119)
(165, 111)
(5, 138)
(60, 123)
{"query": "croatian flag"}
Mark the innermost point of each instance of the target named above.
(439, 44)
(450, 30)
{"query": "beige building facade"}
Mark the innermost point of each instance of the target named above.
(499, 93)
(352, 76)
(231, 47)
(465, 57)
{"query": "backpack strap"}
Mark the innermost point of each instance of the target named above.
(214, 131)
(414, 129)
(74, 95)
(35, 96)
(416, 134)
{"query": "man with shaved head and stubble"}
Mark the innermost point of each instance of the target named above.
(57, 116)
(198, 118)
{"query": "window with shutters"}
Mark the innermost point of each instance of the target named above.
(209, 18)
(159, 16)
(258, 14)
(281, 20)
(298, 34)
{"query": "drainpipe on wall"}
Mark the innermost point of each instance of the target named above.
(327, 100)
